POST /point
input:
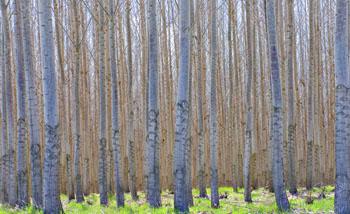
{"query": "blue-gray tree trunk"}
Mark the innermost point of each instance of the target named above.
(51, 190)
(180, 188)
(34, 132)
(4, 172)
(342, 109)
(249, 114)
(152, 148)
(102, 164)
(276, 120)
(22, 176)
(214, 196)
(115, 117)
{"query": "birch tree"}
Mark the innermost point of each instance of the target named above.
(51, 190)
(342, 109)
(182, 110)
(152, 148)
(276, 120)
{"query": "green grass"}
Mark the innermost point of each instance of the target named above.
(263, 202)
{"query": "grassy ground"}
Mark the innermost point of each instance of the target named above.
(263, 202)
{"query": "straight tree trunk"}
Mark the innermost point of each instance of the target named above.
(33, 110)
(76, 108)
(22, 171)
(213, 112)
(276, 120)
(182, 111)
(51, 190)
(131, 141)
(291, 123)
(249, 114)
(342, 109)
(4, 146)
(102, 168)
(310, 104)
(152, 148)
(11, 185)
(201, 143)
(115, 116)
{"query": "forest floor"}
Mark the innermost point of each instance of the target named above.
(230, 202)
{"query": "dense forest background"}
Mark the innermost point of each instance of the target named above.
(122, 95)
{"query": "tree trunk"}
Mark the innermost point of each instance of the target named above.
(277, 126)
(22, 176)
(249, 114)
(291, 123)
(51, 191)
(131, 141)
(102, 168)
(182, 111)
(11, 185)
(115, 117)
(76, 107)
(213, 118)
(152, 149)
(342, 109)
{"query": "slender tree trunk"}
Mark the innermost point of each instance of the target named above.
(182, 111)
(35, 148)
(201, 143)
(4, 145)
(131, 141)
(51, 191)
(76, 107)
(152, 149)
(115, 116)
(310, 102)
(102, 168)
(342, 109)
(12, 188)
(291, 122)
(213, 118)
(277, 126)
(22, 176)
(249, 116)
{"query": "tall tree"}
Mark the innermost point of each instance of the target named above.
(291, 121)
(276, 120)
(33, 110)
(310, 101)
(342, 109)
(249, 114)
(3, 187)
(152, 148)
(21, 108)
(51, 190)
(182, 111)
(12, 188)
(201, 143)
(102, 164)
(131, 140)
(115, 116)
(76, 110)
(212, 117)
